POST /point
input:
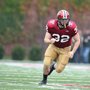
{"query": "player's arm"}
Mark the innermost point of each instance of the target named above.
(76, 44)
(48, 38)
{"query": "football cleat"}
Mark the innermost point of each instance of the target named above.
(43, 82)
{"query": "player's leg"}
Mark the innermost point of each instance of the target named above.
(61, 63)
(46, 69)
(63, 55)
(52, 67)
(63, 59)
(50, 55)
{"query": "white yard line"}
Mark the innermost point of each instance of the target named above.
(21, 64)
(74, 66)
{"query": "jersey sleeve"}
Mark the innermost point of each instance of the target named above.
(75, 31)
(46, 28)
(50, 26)
(73, 28)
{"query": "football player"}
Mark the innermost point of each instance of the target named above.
(59, 34)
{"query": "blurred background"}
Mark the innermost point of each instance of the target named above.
(22, 27)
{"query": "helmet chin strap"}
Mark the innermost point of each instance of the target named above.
(65, 25)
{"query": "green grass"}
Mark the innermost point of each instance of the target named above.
(26, 76)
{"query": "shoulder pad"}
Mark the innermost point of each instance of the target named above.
(51, 23)
(72, 25)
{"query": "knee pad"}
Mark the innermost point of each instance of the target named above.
(60, 68)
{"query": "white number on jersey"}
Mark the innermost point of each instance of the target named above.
(62, 38)
(57, 37)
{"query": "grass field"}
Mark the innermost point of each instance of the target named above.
(26, 76)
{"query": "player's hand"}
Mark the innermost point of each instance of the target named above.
(53, 40)
(71, 54)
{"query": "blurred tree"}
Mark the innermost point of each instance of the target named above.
(23, 21)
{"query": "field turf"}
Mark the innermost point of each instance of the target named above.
(27, 75)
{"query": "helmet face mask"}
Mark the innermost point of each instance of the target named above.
(63, 18)
(63, 21)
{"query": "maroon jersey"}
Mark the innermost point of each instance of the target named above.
(63, 36)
